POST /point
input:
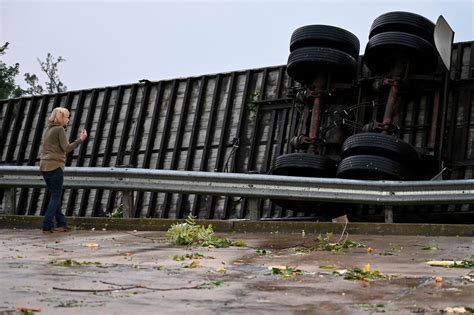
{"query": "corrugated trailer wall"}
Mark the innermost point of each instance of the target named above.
(234, 122)
(209, 123)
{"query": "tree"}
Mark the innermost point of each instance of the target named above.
(50, 68)
(8, 87)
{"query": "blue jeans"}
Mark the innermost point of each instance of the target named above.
(54, 182)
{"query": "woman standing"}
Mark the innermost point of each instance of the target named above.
(55, 146)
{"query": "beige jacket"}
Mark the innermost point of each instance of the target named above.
(54, 148)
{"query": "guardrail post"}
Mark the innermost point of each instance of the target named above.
(127, 197)
(10, 200)
(253, 209)
(388, 214)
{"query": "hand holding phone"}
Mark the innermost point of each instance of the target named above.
(83, 135)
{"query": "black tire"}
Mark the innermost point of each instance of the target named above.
(304, 165)
(304, 64)
(372, 167)
(325, 36)
(406, 22)
(370, 143)
(384, 50)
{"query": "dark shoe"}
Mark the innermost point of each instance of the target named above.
(61, 229)
(53, 230)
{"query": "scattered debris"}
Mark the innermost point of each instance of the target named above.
(468, 263)
(430, 247)
(377, 308)
(469, 277)
(364, 274)
(324, 243)
(117, 212)
(72, 263)
(90, 245)
(28, 310)
(341, 219)
(122, 287)
(285, 271)
(193, 264)
(221, 269)
(210, 285)
(263, 251)
(190, 233)
(455, 310)
(76, 303)
(188, 256)
(391, 252)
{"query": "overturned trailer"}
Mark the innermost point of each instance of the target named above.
(273, 120)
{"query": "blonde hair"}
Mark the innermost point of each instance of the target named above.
(56, 113)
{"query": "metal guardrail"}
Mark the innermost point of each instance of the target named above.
(387, 193)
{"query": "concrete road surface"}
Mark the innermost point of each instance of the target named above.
(129, 272)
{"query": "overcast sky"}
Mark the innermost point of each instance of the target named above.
(107, 43)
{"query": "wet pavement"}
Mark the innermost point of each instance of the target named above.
(130, 272)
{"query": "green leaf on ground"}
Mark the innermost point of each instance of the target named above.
(285, 272)
(72, 263)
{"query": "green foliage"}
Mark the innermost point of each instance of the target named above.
(33, 82)
(465, 263)
(468, 263)
(188, 256)
(210, 285)
(72, 263)
(325, 243)
(191, 233)
(193, 264)
(50, 68)
(285, 271)
(252, 104)
(8, 87)
(239, 243)
(364, 274)
(373, 308)
(117, 212)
